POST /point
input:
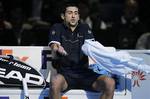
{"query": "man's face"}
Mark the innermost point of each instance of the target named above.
(71, 16)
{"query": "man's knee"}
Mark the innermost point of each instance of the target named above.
(110, 85)
(104, 83)
(57, 82)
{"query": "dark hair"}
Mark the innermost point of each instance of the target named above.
(69, 4)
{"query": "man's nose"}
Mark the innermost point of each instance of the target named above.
(73, 15)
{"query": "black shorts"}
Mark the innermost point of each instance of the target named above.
(79, 78)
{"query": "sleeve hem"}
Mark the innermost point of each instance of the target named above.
(56, 42)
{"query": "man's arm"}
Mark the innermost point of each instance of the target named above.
(55, 40)
(54, 47)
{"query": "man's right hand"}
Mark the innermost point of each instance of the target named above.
(58, 48)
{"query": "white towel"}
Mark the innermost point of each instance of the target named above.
(116, 62)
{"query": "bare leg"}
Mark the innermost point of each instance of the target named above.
(58, 83)
(106, 85)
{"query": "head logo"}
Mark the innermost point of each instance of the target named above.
(10, 52)
(137, 76)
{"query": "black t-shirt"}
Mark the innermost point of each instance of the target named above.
(72, 42)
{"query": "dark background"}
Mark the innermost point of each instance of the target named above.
(26, 32)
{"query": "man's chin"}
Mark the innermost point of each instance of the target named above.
(73, 24)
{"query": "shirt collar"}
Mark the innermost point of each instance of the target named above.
(66, 27)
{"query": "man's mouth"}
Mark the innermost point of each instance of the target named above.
(72, 20)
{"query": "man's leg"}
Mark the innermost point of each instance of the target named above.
(106, 85)
(58, 83)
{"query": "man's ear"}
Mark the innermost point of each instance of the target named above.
(62, 16)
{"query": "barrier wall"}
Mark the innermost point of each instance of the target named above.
(40, 58)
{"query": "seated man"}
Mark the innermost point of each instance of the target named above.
(66, 40)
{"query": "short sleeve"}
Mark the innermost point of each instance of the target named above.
(54, 34)
(88, 32)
